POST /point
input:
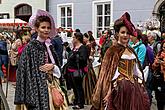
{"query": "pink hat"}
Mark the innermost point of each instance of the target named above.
(40, 12)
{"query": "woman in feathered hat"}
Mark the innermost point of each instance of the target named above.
(120, 84)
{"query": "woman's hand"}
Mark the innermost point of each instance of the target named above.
(105, 100)
(46, 68)
(156, 61)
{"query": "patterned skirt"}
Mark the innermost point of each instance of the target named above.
(89, 83)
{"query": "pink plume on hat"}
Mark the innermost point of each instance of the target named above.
(40, 12)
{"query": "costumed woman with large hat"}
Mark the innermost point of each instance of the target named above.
(38, 69)
(121, 81)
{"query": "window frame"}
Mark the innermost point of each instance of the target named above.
(59, 17)
(94, 15)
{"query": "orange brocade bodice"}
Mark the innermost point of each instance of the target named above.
(126, 68)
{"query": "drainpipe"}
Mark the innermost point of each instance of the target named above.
(47, 5)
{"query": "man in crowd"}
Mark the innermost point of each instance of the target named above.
(154, 42)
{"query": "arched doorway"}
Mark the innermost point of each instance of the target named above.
(23, 11)
(162, 17)
(159, 11)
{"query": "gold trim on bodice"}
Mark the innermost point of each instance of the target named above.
(125, 68)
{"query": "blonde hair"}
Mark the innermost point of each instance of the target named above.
(27, 38)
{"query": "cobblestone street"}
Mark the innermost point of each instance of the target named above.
(10, 98)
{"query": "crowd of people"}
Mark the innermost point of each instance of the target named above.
(132, 67)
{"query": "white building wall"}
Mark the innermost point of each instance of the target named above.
(140, 11)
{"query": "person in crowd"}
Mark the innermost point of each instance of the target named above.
(92, 39)
(77, 30)
(69, 32)
(19, 45)
(18, 42)
(147, 66)
(102, 37)
(8, 40)
(38, 67)
(58, 45)
(14, 35)
(90, 33)
(163, 35)
(106, 43)
(159, 80)
(67, 50)
(89, 81)
(63, 34)
(114, 39)
(154, 42)
(120, 84)
(75, 69)
(99, 35)
(138, 46)
(33, 33)
(149, 50)
(13, 55)
(3, 58)
(3, 52)
(25, 41)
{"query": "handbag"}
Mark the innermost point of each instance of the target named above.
(57, 97)
(78, 73)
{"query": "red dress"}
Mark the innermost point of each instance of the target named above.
(12, 73)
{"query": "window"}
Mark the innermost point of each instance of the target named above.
(102, 16)
(4, 15)
(65, 16)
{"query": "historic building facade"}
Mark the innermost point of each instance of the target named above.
(159, 11)
(22, 9)
(98, 15)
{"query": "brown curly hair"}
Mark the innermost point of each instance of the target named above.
(41, 19)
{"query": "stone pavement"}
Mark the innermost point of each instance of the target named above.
(10, 97)
(11, 91)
